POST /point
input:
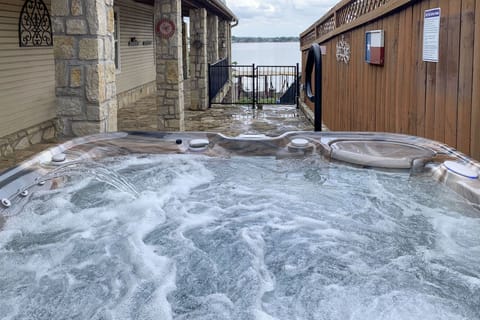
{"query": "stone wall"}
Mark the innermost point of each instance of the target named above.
(168, 54)
(229, 46)
(212, 38)
(84, 66)
(129, 97)
(20, 140)
(223, 27)
(187, 93)
(198, 59)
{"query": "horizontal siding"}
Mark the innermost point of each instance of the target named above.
(27, 76)
(137, 64)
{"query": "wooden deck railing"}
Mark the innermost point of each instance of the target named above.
(347, 14)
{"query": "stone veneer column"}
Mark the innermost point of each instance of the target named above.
(212, 38)
(186, 66)
(170, 99)
(84, 66)
(223, 26)
(198, 59)
(229, 43)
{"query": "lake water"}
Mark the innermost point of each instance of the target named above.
(266, 53)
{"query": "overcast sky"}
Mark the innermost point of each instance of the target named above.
(271, 18)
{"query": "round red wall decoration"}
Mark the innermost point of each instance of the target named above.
(165, 28)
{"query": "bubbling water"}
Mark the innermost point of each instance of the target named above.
(242, 238)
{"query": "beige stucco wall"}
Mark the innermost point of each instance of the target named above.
(27, 77)
(137, 63)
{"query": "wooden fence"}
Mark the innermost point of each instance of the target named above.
(440, 101)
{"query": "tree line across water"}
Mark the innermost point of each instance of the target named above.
(264, 39)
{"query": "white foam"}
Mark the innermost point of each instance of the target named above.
(244, 238)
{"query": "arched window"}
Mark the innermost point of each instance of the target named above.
(34, 25)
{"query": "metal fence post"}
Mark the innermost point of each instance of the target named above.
(209, 87)
(253, 86)
(297, 86)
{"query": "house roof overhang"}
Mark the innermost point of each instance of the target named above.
(216, 7)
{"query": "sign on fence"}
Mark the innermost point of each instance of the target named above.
(431, 35)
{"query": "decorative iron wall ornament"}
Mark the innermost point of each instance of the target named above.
(343, 50)
(34, 25)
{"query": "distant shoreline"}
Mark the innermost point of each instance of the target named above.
(264, 39)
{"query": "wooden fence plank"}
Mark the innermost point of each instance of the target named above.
(408, 66)
(441, 84)
(420, 83)
(431, 90)
(356, 85)
(415, 73)
(350, 114)
(475, 120)
(453, 58)
(366, 97)
(400, 72)
(373, 74)
(391, 69)
(465, 76)
(379, 90)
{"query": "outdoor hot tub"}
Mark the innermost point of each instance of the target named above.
(306, 225)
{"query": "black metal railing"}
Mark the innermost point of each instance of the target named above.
(218, 74)
(273, 83)
(255, 85)
(243, 84)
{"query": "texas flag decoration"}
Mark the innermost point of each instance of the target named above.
(374, 47)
